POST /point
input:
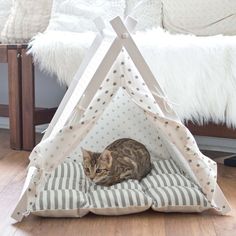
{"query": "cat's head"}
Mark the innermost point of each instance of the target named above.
(97, 166)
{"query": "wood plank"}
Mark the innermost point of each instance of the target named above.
(14, 87)
(3, 53)
(28, 101)
(14, 179)
(189, 224)
(43, 115)
(4, 142)
(211, 129)
(4, 110)
(227, 181)
(17, 161)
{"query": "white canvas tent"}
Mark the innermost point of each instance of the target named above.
(114, 72)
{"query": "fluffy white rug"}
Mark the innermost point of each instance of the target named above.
(197, 73)
(60, 53)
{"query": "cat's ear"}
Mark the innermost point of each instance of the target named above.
(87, 155)
(106, 157)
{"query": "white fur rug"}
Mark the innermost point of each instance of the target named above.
(197, 73)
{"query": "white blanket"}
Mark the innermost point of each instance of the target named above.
(197, 73)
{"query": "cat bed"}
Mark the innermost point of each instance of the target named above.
(92, 115)
(68, 192)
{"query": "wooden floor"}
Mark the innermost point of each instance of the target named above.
(12, 174)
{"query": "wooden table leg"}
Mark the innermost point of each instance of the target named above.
(14, 85)
(28, 101)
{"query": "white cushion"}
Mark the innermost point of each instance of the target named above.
(78, 15)
(27, 18)
(69, 193)
(4, 12)
(200, 17)
(148, 13)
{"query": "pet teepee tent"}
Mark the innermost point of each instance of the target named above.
(114, 94)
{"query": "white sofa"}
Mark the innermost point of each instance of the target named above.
(197, 72)
(200, 17)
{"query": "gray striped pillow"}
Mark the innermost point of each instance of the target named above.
(165, 167)
(163, 180)
(56, 203)
(121, 198)
(68, 175)
(170, 190)
(65, 193)
(69, 193)
(173, 198)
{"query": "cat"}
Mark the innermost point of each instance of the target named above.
(121, 160)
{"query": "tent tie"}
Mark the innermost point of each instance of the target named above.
(167, 102)
(79, 107)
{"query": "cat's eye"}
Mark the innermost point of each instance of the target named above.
(98, 171)
(87, 169)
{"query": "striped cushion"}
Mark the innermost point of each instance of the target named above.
(176, 196)
(69, 193)
(61, 199)
(68, 175)
(129, 184)
(170, 190)
(165, 180)
(125, 197)
(124, 201)
(64, 193)
(165, 167)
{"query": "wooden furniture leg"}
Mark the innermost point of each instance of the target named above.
(4, 111)
(14, 85)
(22, 113)
(28, 101)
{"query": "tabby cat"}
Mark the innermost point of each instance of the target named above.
(121, 160)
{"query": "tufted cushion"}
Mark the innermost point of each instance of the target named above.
(200, 17)
(124, 198)
(68, 192)
(148, 13)
(78, 15)
(170, 190)
(27, 18)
